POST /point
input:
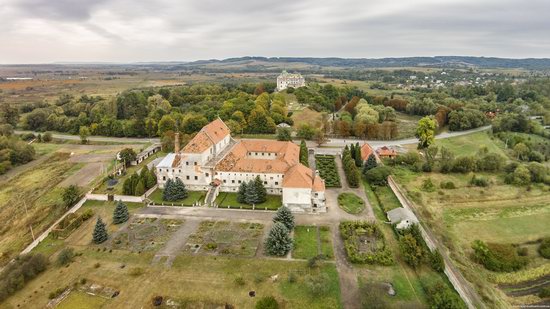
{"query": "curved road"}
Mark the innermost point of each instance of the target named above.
(334, 142)
(341, 142)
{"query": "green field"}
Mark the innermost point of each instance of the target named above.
(351, 203)
(81, 300)
(305, 242)
(225, 199)
(192, 197)
(469, 145)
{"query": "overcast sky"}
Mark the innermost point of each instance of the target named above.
(42, 31)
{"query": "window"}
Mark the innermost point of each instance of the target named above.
(265, 182)
(239, 181)
(163, 177)
(173, 170)
(180, 170)
(194, 163)
(207, 174)
(187, 163)
(187, 177)
(196, 177)
(276, 183)
(232, 181)
(224, 181)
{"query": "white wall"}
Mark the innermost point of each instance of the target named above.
(293, 196)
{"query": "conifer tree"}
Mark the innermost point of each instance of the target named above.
(179, 190)
(357, 156)
(241, 195)
(369, 164)
(151, 179)
(278, 241)
(168, 188)
(251, 194)
(140, 188)
(120, 215)
(261, 192)
(303, 153)
(100, 232)
(284, 216)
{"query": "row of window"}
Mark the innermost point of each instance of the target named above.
(239, 182)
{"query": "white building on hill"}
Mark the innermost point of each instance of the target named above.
(213, 161)
(285, 80)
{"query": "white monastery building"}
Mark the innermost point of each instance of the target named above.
(213, 161)
(285, 80)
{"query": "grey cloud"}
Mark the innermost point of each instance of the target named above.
(146, 30)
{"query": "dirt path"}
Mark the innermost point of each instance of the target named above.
(349, 286)
(176, 243)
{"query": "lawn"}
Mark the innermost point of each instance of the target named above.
(192, 197)
(516, 226)
(328, 170)
(406, 125)
(326, 242)
(81, 300)
(387, 198)
(351, 203)
(306, 244)
(229, 200)
(468, 145)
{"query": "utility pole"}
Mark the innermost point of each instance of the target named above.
(27, 213)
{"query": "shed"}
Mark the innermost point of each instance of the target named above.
(402, 217)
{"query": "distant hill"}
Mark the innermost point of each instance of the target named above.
(437, 61)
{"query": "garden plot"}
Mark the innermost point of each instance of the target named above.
(365, 243)
(328, 170)
(144, 234)
(226, 238)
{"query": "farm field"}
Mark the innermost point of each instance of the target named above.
(500, 213)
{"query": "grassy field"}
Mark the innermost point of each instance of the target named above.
(36, 191)
(82, 237)
(192, 197)
(305, 242)
(470, 144)
(407, 125)
(81, 300)
(351, 203)
(500, 213)
(306, 116)
(226, 199)
(209, 279)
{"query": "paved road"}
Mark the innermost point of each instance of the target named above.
(111, 139)
(334, 144)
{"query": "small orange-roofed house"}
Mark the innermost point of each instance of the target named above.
(385, 152)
